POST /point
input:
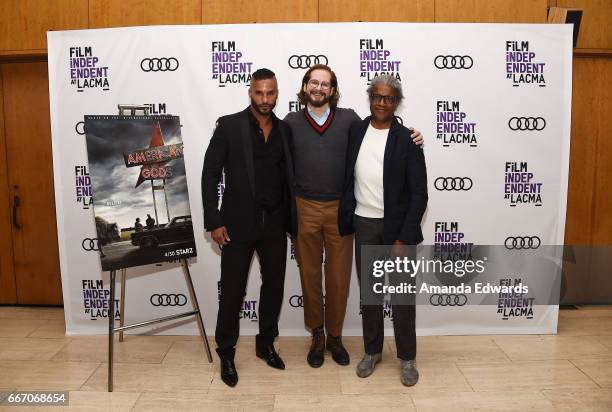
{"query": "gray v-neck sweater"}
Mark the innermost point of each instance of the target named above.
(319, 159)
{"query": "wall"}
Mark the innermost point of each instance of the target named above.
(23, 24)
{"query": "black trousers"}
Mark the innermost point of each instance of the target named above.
(236, 260)
(369, 231)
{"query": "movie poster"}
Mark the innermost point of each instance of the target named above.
(140, 198)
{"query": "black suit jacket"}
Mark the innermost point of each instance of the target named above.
(231, 149)
(404, 182)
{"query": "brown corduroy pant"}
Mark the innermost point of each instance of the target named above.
(318, 230)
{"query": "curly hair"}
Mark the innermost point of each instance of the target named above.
(386, 80)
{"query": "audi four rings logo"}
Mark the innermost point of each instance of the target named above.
(168, 299)
(453, 62)
(296, 301)
(453, 183)
(305, 61)
(522, 242)
(159, 64)
(447, 300)
(527, 123)
(90, 244)
(82, 127)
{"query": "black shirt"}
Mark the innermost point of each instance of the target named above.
(268, 164)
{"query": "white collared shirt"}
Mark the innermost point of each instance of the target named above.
(319, 119)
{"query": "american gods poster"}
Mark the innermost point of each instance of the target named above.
(140, 197)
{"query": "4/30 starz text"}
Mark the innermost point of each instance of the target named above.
(179, 252)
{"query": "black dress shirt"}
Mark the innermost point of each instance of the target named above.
(269, 165)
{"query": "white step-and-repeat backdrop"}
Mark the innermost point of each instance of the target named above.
(493, 101)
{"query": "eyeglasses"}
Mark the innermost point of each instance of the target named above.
(315, 83)
(376, 98)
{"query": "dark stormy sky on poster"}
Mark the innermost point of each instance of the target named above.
(116, 199)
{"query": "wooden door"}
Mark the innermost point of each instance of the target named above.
(29, 184)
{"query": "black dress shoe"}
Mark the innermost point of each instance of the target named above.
(316, 356)
(268, 353)
(339, 354)
(229, 375)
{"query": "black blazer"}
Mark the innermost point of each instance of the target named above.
(231, 149)
(404, 182)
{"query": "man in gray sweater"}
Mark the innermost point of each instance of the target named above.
(320, 136)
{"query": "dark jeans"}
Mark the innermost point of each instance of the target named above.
(235, 263)
(369, 231)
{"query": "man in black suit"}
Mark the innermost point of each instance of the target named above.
(384, 199)
(252, 148)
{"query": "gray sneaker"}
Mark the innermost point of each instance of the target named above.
(409, 375)
(367, 364)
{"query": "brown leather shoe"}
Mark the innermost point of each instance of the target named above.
(339, 354)
(315, 356)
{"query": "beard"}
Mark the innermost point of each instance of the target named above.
(320, 101)
(263, 109)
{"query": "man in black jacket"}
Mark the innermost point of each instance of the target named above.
(383, 202)
(252, 148)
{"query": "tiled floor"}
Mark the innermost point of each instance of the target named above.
(571, 371)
